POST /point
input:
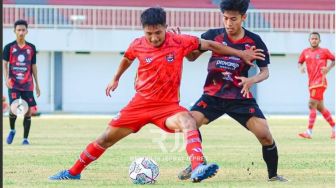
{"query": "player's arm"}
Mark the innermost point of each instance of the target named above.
(248, 56)
(37, 85)
(247, 83)
(6, 74)
(331, 57)
(124, 64)
(301, 62)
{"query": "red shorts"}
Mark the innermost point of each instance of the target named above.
(317, 93)
(140, 112)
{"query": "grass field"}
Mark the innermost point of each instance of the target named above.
(57, 142)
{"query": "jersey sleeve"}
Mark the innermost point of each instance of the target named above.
(190, 43)
(330, 55)
(261, 45)
(6, 53)
(130, 52)
(207, 35)
(34, 55)
(302, 57)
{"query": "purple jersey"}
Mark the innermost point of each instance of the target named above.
(221, 81)
(20, 65)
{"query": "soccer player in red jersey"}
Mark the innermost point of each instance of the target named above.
(226, 89)
(316, 59)
(156, 101)
(19, 62)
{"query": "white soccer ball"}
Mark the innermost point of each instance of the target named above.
(143, 171)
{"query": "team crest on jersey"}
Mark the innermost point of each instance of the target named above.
(318, 56)
(170, 57)
(21, 58)
(148, 59)
(28, 51)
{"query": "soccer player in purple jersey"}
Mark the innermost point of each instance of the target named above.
(226, 89)
(19, 63)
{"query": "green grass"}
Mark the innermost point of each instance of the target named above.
(56, 144)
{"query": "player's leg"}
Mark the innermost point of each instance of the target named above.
(249, 115)
(183, 121)
(28, 96)
(203, 111)
(130, 119)
(12, 95)
(93, 151)
(313, 101)
(327, 116)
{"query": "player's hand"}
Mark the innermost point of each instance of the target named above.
(111, 87)
(324, 70)
(175, 30)
(9, 83)
(246, 83)
(252, 54)
(302, 69)
(38, 92)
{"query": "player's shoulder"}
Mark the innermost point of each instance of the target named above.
(10, 44)
(31, 45)
(138, 42)
(211, 33)
(252, 35)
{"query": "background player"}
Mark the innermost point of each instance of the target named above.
(19, 63)
(316, 59)
(157, 94)
(226, 89)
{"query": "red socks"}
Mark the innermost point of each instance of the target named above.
(312, 118)
(92, 152)
(194, 148)
(327, 116)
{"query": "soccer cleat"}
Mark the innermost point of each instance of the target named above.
(10, 136)
(64, 175)
(278, 178)
(25, 142)
(186, 173)
(332, 136)
(305, 135)
(203, 171)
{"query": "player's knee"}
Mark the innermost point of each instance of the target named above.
(187, 122)
(312, 105)
(266, 139)
(12, 115)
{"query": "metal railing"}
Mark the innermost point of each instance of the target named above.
(97, 17)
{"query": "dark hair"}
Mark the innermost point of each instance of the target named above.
(315, 33)
(153, 16)
(234, 5)
(20, 22)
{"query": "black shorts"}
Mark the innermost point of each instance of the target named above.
(239, 109)
(28, 96)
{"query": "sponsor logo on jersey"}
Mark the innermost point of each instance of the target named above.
(224, 43)
(148, 59)
(14, 50)
(317, 56)
(227, 65)
(227, 76)
(170, 57)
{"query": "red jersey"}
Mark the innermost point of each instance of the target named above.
(315, 60)
(160, 68)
